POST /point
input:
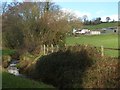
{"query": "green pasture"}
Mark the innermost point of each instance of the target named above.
(7, 52)
(107, 41)
(11, 81)
(99, 26)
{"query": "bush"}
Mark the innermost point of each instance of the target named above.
(15, 56)
(13, 38)
(65, 68)
(8, 56)
(27, 65)
(104, 74)
(5, 60)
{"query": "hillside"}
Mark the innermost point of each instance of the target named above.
(99, 26)
(11, 81)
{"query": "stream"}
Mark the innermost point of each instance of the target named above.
(12, 68)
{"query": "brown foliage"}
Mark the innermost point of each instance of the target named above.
(5, 60)
(38, 23)
(103, 74)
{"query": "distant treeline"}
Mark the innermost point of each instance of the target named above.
(97, 21)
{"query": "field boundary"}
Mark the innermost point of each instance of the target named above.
(50, 49)
(105, 48)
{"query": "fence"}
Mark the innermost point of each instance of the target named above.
(50, 49)
(103, 49)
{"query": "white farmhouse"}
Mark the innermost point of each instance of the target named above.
(83, 31)
(95, 32)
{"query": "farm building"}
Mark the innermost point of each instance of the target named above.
(81, 31)
(95, 32)
(86, 32)
(110, 29)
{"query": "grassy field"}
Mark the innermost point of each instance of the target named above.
(102, 25)
(108, 41)
(7, 52)
(11, 81)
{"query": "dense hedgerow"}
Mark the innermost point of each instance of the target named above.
(74, 67)
(104, 73)
(65, 68)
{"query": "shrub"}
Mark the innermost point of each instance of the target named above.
(27, 65)
(15, 56)
(104, 74)
(65, 68)
(8, 56)
(13, 38)
(25, 60)
(5, 60)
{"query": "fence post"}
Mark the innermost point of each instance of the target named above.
(57, 47)
(44, 49)
(41, 48)
(102, 51)
(47, 49)
(85, 46)
(65, 45)
(52, 48)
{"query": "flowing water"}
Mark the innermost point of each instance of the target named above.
(12, 68)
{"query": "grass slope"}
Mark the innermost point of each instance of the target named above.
(11, 81)
(102, 25)
(7, 52)
(108, 41)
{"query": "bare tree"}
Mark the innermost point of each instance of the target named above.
(4, 7)
(39, 23)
